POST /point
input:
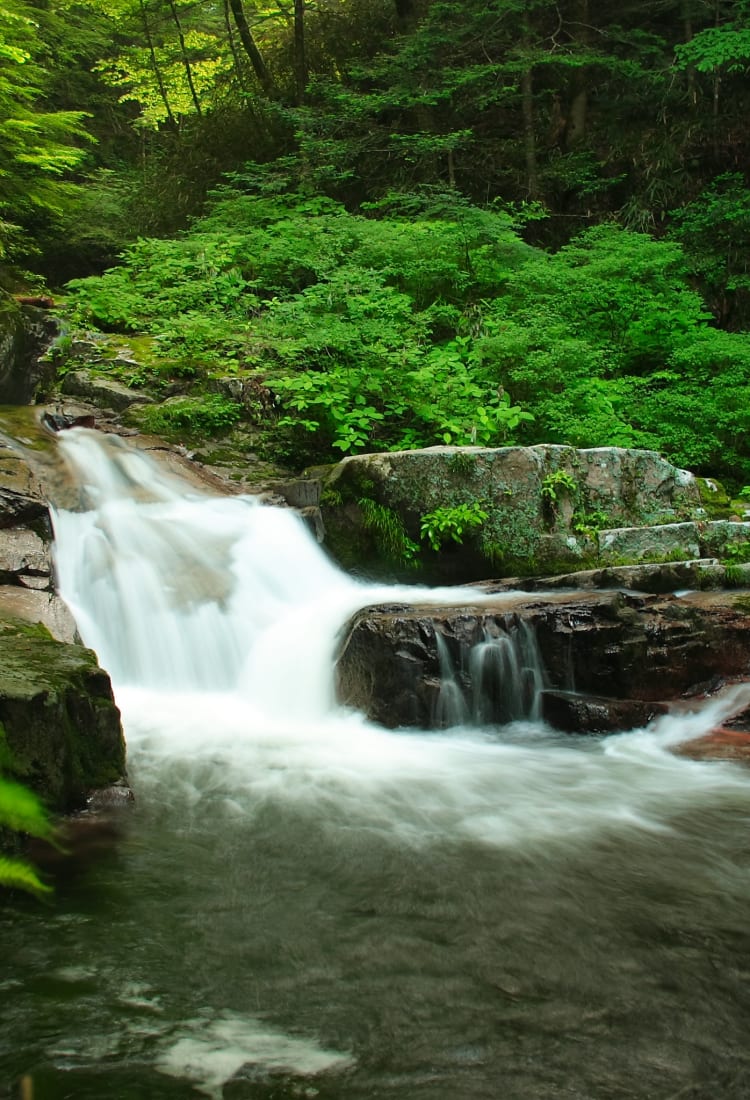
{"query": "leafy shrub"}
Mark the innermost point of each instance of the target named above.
(390, 535)
(22, 812)
(451, 523)
(430, 321)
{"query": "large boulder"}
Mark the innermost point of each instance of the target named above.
(25, 332)
(545, 508)
(60, 729)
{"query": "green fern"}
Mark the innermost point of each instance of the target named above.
(22, 812)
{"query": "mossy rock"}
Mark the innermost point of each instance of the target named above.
(543, 505)
(60, 726)
(714, 498)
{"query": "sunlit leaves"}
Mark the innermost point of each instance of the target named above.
(36, 144)
(714, 48)
(21, 812)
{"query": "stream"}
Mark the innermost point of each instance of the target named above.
(304, 905)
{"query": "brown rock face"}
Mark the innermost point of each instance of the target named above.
(613, 645)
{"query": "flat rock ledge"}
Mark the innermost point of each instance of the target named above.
(594, 661)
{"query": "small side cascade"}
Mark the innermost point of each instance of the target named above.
(501, 679)
(451, 708)
(506, 675)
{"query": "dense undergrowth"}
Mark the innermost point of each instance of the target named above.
(428, 320)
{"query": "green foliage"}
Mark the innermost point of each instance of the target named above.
(590, 522)
(557, 483)
(390, 535)
(714, 231)
(451, 523)
(718, 47)
(21, 812)
(435, 324)
(39, 145)
(191, 417)
(736, 553)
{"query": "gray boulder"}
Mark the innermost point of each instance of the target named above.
(612, 646)
(545, 508)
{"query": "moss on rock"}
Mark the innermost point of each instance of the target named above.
(62, 727)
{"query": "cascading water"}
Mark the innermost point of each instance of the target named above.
(306, 901)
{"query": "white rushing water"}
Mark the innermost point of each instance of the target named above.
(218, 621)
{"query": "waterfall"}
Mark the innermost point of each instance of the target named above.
(218, 620)
(298, 893)
(500, 680)
(507, 676)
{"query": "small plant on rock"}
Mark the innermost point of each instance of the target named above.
(451, 523)
(389, 532)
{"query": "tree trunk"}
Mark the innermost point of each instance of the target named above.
(300, 57)
(155, 66)
(575, 132)
(529, 137)
(687, 33)
(251, 49)
(185, 59)
(404, 11)
(233, 47)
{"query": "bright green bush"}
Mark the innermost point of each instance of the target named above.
(21, 812)
(430, 321)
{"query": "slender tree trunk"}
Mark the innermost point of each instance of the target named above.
(404, 12)
(687, 34)
(251, 49)
(529, 137)
(155, 66)
(185, 59)
(575, 132)
(300, 57)
(233, 47)
(716, 91)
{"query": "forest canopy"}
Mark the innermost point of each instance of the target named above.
(409, 221)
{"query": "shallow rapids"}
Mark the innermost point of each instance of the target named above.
(307, 904)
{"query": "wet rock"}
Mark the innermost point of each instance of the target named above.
(21, 497)
(25, 332)
(23, 554)
(59, 722)
(60, 422)
(701, 573)
(39, 606)
(575, 713)
(107, 799)
(637, 543)
(720, 744)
